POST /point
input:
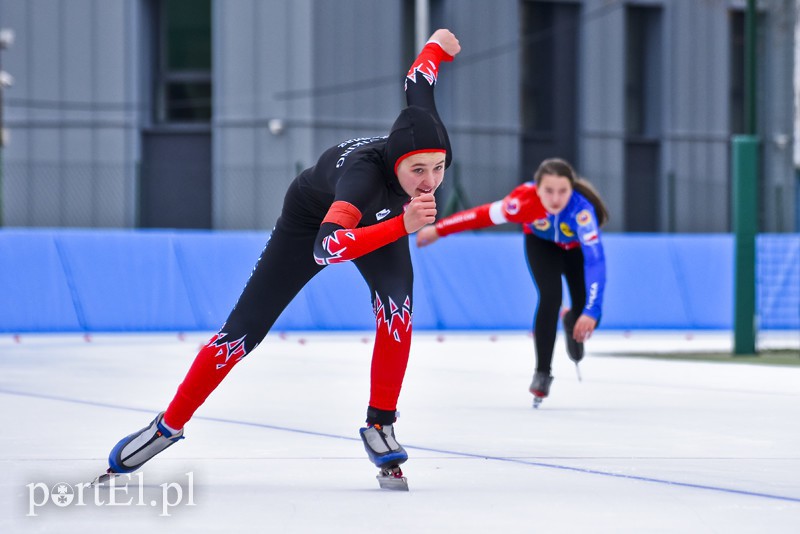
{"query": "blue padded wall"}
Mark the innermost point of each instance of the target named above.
(477, 282)
(668, 281)
(87, 280)
(36, 292)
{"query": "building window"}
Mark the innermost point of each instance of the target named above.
(643, 71)
(642, 164)
(549, 81)
(183, 80)
(737, 40)
(538, 58)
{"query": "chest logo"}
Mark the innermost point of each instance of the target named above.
(383, 213)
(565, 229)
(541, 224)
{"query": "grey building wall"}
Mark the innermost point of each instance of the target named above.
(314, 66)
(776, 125)
(328, 71)
(260, 48)
(73, 113)
(480, 98)
(695, 112)
(601, 116)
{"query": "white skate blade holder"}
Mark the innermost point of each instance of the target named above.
(391, 478)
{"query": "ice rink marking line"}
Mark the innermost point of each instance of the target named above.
(427, 449)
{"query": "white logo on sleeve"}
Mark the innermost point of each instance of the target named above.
(592, 295)
(383, 213)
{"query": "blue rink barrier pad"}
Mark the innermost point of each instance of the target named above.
(57, 280)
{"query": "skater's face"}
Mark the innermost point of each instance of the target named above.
(421, 173)
(554, 191)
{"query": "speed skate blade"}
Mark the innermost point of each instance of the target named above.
(105, 477)
(392, 479)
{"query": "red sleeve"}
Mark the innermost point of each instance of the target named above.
(345, 244)
(344, 214)
(522, 205)
(470, 219)
(427, 62)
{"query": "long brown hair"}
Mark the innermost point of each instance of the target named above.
(560, 167)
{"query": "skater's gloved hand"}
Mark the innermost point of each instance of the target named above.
(584, 327)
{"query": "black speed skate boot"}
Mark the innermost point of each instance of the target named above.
(134, 450)
(574, 348)
(540, 387)
(384, 450)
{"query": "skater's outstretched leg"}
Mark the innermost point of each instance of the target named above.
(389, 276)
(282, 270)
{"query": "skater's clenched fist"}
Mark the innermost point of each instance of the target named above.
(447, 40)
(420, 211)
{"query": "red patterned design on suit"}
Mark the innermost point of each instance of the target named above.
(335, 245)
(227, 349)
(398, 317)
(346, 244)
(427, 63)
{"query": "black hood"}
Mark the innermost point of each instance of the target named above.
(416, 129)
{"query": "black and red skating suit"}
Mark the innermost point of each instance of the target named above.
(348, 206)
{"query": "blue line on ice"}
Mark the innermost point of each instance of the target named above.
(419, 448)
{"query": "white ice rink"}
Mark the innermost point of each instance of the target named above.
(640, 445)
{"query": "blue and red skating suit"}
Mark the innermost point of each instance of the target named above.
(575, 226)
(348, 207)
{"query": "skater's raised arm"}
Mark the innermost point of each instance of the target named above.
(424, 72)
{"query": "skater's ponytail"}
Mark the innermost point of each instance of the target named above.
(559, 167)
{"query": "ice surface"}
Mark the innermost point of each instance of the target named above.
(640, 445)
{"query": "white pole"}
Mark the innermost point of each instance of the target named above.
(422, 22)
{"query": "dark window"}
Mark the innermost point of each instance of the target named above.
(183, 80)
(737, 72)
(643, 73)
(538, 38)
(549, 79)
